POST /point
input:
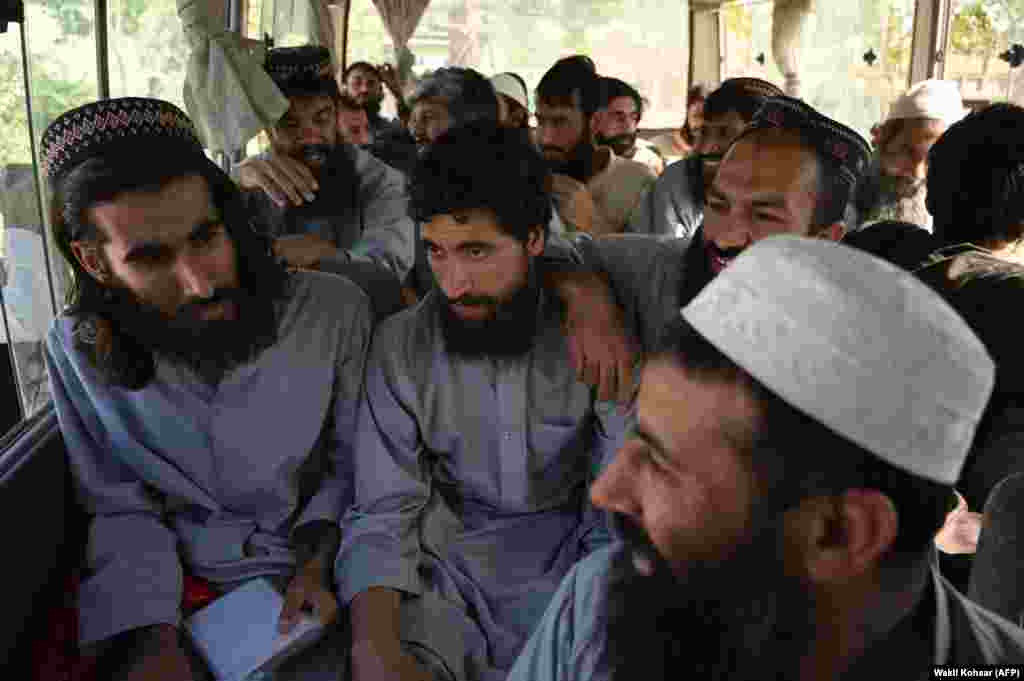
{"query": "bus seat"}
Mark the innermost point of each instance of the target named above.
(995, 576)
(45, 532)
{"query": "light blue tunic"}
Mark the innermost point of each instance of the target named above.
(184, 475)
(471, 479)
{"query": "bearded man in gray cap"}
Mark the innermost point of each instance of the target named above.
(799, 434)
(206, 397)
(791, 171)
(329, 204)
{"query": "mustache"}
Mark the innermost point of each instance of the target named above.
(551, 148)
(192, 308)
(316, 153)
(471, 301)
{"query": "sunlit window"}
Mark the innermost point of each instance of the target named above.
(854, 62)
(643, 43)
(979, 32)
(148, 52)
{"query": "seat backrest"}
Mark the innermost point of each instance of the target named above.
(995, 581)
(43, 530)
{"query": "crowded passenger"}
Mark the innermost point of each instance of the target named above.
(675, 205)
(513, 101)
(353, 125)
(477, 441)
(327, 204)
(975, 193)
(207, 398)
(895, 187)
(792, 171)
(682, 142)
(748, 553)
(449, 97)
(389, 140)
(616, 123)
(568, 97)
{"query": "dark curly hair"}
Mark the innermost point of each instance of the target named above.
(482, 165)
(976, 178)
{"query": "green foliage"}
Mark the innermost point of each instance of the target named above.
(972, 31)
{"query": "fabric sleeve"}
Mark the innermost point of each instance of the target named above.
(668, 209)
(336, 491)
(133, 572)
(547, 653)
(388, 231)
(613, 426)
(380, 533)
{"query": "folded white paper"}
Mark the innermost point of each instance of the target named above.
(237, 633)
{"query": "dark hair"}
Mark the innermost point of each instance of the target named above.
(794, 457)
(105, 177)
(976, 178)
(469, 95)
(360, 66)
(697, 93)
(742, 95)
(482, 165)
(348, 102)
(613, 88)
(572, 82)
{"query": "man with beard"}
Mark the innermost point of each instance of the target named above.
(616, 124)
(792, 171)
(328, 204)
(353, 125)
(778, 500)
(894, 187)
(206, 397)
(568, 98)
(675, 204)
(364, 83)
(477, 441)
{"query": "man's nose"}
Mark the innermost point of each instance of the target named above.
(194, 278)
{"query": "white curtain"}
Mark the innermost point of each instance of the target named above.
(790, 20)
(227, 93)
(401, 17)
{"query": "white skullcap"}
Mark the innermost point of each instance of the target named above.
(859, 345)
(938, 99)
(506, 84)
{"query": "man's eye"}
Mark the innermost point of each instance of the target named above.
(478, 252)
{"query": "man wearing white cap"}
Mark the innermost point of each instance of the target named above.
(513, 101)
(895, 187)
(798, 439)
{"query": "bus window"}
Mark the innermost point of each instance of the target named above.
(980, 31)
(645, 44)
(854, 62)
(148, 51)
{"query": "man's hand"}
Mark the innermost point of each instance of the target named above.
(164, 660)
(303, 250)
(385, 661)
(284, 179)
(601, 349)
(308, 590)
(389, 76)
(962, 530)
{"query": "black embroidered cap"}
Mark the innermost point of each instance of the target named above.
(751, 87)
(141, 124)
(305, 69)
(847, 151)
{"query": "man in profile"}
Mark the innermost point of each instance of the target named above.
(207, 397)
(747, 552)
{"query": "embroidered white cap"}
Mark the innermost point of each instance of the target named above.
(859, 345)
(938, 99)
(507, 84)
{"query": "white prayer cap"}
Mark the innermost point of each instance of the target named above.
(939, 99)
(507, 84)
(859, 345)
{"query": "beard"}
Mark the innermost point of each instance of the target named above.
(335, 172)
(620, 144)
(210, 347)
(739, 618)
(578, 163)
(509, 332)
(884, 197)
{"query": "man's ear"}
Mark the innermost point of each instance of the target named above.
(535, 241)
(91, 259)
(846, 536)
